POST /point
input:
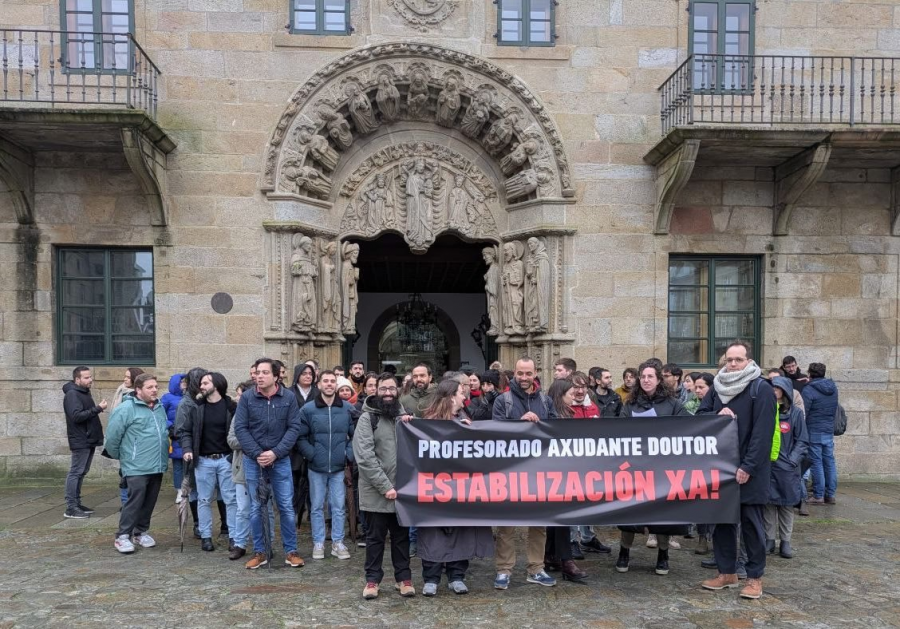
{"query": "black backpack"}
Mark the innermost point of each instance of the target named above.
(840, 421)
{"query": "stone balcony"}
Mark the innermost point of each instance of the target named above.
(83, 92)
(795, 115)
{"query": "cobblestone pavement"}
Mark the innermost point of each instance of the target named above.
(66, 573)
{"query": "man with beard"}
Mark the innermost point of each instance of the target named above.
(358, 376)
(137, 437)
(85, 432)
(526, 402)
(204, 439)
(606, 399)
(375, 450)
(792, 372)
(417, 400)
(187, 408)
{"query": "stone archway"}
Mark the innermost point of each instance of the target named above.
(418, 140)
(443, 321)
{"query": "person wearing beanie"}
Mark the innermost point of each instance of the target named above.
(482, 406)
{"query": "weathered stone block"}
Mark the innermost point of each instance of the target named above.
(881, 401)
(47, 401)
(594, 332)
(881, 423)
(852, 15)
(27, 326)
(841, 285)
(44, 445)
(10, 446)
(806, 308)
(10, 353)
(243, 329)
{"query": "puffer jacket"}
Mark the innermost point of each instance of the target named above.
(137, 437)
(375, 450)
(170, 402)
(482, 407)
(662, 405)
(820, 399)
(513, 404)
(610, 404)
(784, 489)
(83, 427)
(417, 400)
(326, 434)
(267, 423)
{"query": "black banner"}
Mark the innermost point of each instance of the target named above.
(653, 470)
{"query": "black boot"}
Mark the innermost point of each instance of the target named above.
(622, 561)
(576, 551)
(193, 506)
(207, 545)
(552, 564)
(803, 510)
(785, 550)
(594, 545)
(223, 518)
(709, 562)
(770, 546)
(571, 572)
(662, 562)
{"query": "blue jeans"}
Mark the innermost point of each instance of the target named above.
(319, 483)
(283, 491)
(582, 533)
(241, 530)
(209, 474)
(824, 468)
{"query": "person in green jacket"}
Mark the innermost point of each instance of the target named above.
(138, 438)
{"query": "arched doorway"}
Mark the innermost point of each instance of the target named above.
(411, 332)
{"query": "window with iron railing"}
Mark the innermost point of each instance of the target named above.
(96, 34)
(526, 22)
(721, 39)
(320, 17)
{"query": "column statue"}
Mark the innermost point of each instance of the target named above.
(492, 288)
(350, 279)
(512, 280)
(303, 288)
(537, 286)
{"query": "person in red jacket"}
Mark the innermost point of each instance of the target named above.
(583, 407)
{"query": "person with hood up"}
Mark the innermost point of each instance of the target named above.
(820, 398)
(784, 491)
(170, 402)
(303, 386)
(481, 408)
(84, 432)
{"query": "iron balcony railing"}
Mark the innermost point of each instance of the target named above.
(62, 68)
(781, 89)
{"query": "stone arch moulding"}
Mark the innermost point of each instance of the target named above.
(362, 93)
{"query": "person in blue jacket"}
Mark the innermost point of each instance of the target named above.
(820, 399)
(170, 401)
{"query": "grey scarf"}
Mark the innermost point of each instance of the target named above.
(729, 383)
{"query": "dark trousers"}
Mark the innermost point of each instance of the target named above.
(81, 465)
(456, 570)
(753, 536)
(558, 545)
(143, 491)
(378, 525)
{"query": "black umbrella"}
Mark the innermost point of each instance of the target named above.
(263, 495)
(184, 506)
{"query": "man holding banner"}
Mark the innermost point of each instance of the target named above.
(739, 391)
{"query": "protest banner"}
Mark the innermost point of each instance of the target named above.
(655, 470)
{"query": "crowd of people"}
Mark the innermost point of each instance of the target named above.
(314, 438)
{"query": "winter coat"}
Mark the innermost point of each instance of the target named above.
(191, 434)
(482, 407)
(587, 410)
(756, 424)
(267, 423)
(170, 402)
(137, 437)
(784, 489)
(820, 399)
(326, 434)
(799, 380)
(301, 402)
(83, 427)
(513, 404)
(417, 400)
(663, 405)
(610, 404)
(237, 460)
(375, 451)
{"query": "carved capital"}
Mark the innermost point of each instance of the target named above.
(671, 176)
(148, 163)
(793, 178)
(17, 173)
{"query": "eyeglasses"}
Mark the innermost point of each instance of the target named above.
(579, 387)
(387, 390)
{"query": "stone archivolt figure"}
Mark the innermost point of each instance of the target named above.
(492, 288)
(350, 279)
(500, 133)
(388, 98)
(417, 98)
(477, 114)
(459, 203)
(303, 289)
(537, 287)
(360, 109)
(337, 125)
(319, 149)
(331, 294)
(306, 178)
(521, 184)
(448, 103)
(380, 203)
(512, 279)
(520, 153)
(418, 200)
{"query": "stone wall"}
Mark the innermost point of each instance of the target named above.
(830, 287)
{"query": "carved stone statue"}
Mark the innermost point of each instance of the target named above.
(388, 98)
(303, 288)
(350, 278)
(520, 153)
(331, 294)
(337, 125)
(380, 204)
(500, 133)
(360, 109)
(512, 280)
(306, 178)
(459, 204)
(418, 173)
(319, 149)
(537, 287)
(448, 103)
(477, 114)
(521, 184)
(492, 288)
(417, 98)
(477, 212)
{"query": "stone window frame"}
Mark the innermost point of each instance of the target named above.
(321, 9)
(525, 19)
(108, 307)
(739, 67)
(108, 38)
(711, 310)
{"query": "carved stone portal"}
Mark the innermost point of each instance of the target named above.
(424, 13)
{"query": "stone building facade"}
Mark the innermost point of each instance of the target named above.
(621, 197)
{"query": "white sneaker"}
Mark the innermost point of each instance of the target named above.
(674, 545)
(340, 551)
(318, 551)
(651, 541)
(124, 545)
(144, 540)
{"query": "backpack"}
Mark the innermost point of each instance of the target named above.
(840, 421)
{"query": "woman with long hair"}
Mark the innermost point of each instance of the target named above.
(650, 397)
(448, 549)
(127, 386)
(558, 548)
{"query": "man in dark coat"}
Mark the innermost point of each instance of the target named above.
(482, 407)
(820, 398)
(740, 392)
(792, 372)
(85, 432)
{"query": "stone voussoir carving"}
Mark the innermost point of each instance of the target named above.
(423, 14)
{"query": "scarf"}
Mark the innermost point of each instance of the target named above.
(730, 383)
